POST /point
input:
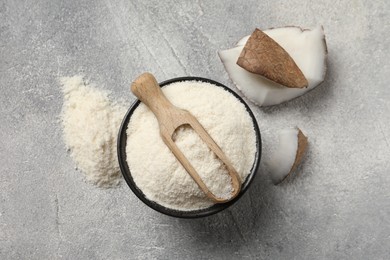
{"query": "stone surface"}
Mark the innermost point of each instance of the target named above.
(338, 207)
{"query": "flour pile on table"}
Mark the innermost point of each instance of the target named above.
(91, 123)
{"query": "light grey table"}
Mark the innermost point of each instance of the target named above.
(337, 208)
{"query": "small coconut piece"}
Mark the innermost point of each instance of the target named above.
(288, 155)
(306, 47)
(264, 56)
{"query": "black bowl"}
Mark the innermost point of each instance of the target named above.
(122, 140)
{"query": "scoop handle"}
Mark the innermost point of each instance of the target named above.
(146, 89)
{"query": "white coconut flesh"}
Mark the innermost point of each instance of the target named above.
(306, 47)
(282, 161)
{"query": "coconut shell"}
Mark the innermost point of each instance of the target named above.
(264, 56)
(301, 149)
(302, 145)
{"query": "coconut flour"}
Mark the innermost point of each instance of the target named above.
(155, 169)
(90, 126)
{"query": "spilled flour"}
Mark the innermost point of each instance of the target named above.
(91, 123)
(155, 169)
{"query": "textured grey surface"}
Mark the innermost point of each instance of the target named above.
(337, 208)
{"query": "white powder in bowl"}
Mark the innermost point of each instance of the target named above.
(91, 123)
(155, 169)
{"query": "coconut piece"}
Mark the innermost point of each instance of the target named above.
(262, 55)
(306, 47)
(288, 155)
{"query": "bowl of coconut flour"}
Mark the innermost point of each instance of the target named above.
(155, 175)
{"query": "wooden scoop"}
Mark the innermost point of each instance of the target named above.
(169, 117)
